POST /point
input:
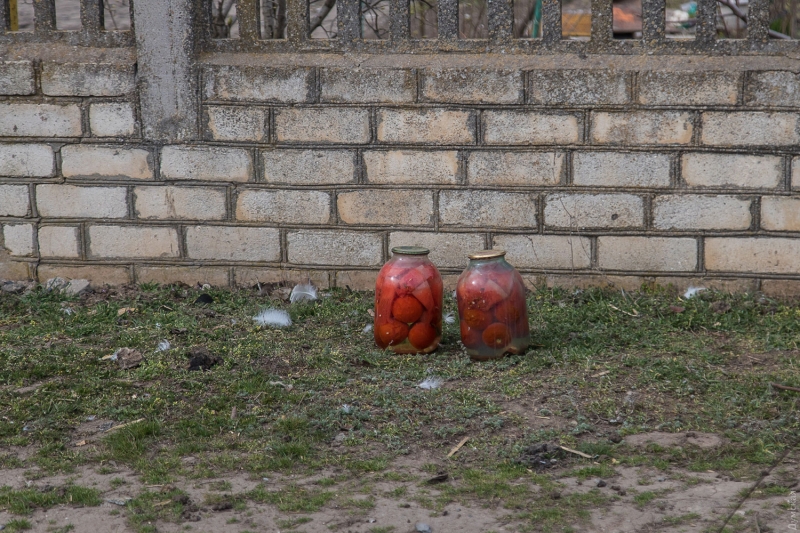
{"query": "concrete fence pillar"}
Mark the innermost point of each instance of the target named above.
(166, 69)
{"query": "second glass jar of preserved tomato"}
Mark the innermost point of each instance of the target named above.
(408, 302)
(491, 307)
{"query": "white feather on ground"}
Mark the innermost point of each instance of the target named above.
(692, 292)
(163, 346)
(449, 318)
(277, 318)
(303, 292)
(367, 328)
(430, 383)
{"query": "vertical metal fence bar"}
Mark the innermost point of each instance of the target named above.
(5, 16)
(501, 20)
(348, 20)
(92, 16)
(249, 20)
(706, 30)
(602, 21)
(551, 21)
(448, 20)
(399, 14)
(297, 21)
(653, 21)
(44, 13)
(758, 21)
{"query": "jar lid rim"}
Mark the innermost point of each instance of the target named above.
(410, 250)
(487, 254)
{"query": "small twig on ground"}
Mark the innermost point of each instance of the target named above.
(458, 447)
(114, 428)
(784, 387)
(576, 452)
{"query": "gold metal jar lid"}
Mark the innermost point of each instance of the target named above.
(487, 254)
(410, 250)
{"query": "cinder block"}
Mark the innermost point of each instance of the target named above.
(788, 289)
(662, 87)
(780, 213)
(545, 251)
(578, 211)
(732, 170)
(578, 87)
(772, 88)
(308, 167)
(587, 280)
(134, 242)
(112, 120)
(17, 78)
(18, 239)
(88, 160)
(26, 160)
(233, 243)
(515, 168)
(530, 128)
(70, 201)
(691, 211)
(448, 250)
(284, 207)
(654, 254)
(412, 166)
(750, 128)
(179, 203)
(620, 169)
(384, 207)
(14, 201)
(487, 209)
(641, 127)
(752, 254)
(212, 163)
(236, 123)
(472, 86)
(87, 79)
(257, 84)
(59, 241)
(250, 276)
(97, 274)
(340, 125)
(426, 126)
(335, 247)
(190, 275)
(367, 85)
(357, 280)
(40, 120)
(729, 285)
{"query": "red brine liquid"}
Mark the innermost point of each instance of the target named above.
(408, 302)
(492, 308)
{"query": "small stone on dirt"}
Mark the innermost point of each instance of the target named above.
(128, 358)
(422, 527)
(202, 359)
(439, 478)
(222, 506)
(616, 438)
(17, 287)
(601, 483)
(614, 487)
(555, 495)
(77, 286)
(204, 299)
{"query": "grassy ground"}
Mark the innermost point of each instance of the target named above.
(319, 397)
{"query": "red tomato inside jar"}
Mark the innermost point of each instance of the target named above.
(408, 302)
(491, 307)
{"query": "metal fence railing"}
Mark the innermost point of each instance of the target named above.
(402, 26)
(94, 23)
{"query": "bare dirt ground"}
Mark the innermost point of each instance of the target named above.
(643, 499)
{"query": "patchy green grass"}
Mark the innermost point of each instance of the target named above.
(605, 364)
(26, 501)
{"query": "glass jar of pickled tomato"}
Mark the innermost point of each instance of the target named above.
(491, 307)
(408, 302)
